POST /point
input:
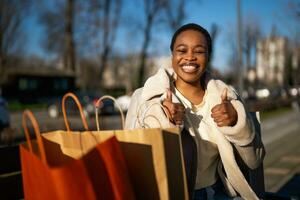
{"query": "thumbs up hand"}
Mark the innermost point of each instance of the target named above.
(175, 110)
(224, 114)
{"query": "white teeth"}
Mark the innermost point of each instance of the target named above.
(188, 68)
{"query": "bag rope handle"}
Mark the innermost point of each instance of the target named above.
(142, 123)
(97, 106)
(63, 105)
(28, 114)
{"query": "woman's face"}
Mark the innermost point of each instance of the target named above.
(189, 56)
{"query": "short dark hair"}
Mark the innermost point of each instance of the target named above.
(196, 27)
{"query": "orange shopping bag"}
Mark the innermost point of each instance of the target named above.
(48, 173)
(154, 157)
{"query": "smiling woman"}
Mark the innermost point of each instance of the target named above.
(210, 115)
(190, 56)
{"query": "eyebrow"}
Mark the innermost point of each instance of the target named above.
(199, 45)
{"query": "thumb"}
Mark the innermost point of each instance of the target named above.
(224, 95)
(169, 95)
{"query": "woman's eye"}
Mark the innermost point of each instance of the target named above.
(200, 52)
(181, 50)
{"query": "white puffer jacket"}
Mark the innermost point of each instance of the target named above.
(242, 136)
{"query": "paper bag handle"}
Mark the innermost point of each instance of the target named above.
(63, 105)
(142, 124)
(115, 102)
(28, 114)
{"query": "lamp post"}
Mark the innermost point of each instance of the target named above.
(240, 70)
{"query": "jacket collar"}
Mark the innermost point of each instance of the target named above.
(158, 84)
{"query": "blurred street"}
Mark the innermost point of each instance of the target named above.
(111, 47)
(281, 136)
(50, 124)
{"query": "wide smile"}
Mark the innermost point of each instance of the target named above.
(189, 67)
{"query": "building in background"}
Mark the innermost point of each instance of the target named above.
(36, 84)
(296, 66)
(123, 74)
(272, 57)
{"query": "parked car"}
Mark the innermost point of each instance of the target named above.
(124, 102)
(4, 114)
(87, 100)
(6, 132)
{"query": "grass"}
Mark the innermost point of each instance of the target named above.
(273, 113)
(15, 106)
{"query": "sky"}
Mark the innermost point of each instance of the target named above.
(224, 14)
(205, 12)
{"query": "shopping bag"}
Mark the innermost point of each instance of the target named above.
(49, 174)
(154, 158)
(155, 162)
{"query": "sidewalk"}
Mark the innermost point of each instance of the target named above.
(277, 127)
(281, 136)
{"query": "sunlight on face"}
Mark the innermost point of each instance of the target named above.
(190, 57)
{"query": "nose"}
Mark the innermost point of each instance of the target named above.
(190, 56)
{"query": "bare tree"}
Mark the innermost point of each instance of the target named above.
(175, 13)
(12, 15)
(214, 31)
(231, 35)
(100, 21)
(152, 10)
(110, 24)
(252, 32)
(294, 6)
(59, 22)
(69, 54)
(291, 22)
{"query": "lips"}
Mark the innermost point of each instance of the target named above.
(189, 67)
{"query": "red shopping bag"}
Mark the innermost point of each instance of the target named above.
(48, 173)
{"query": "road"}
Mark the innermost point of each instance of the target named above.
(277, 127)
(281, 136)
(108, 122)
